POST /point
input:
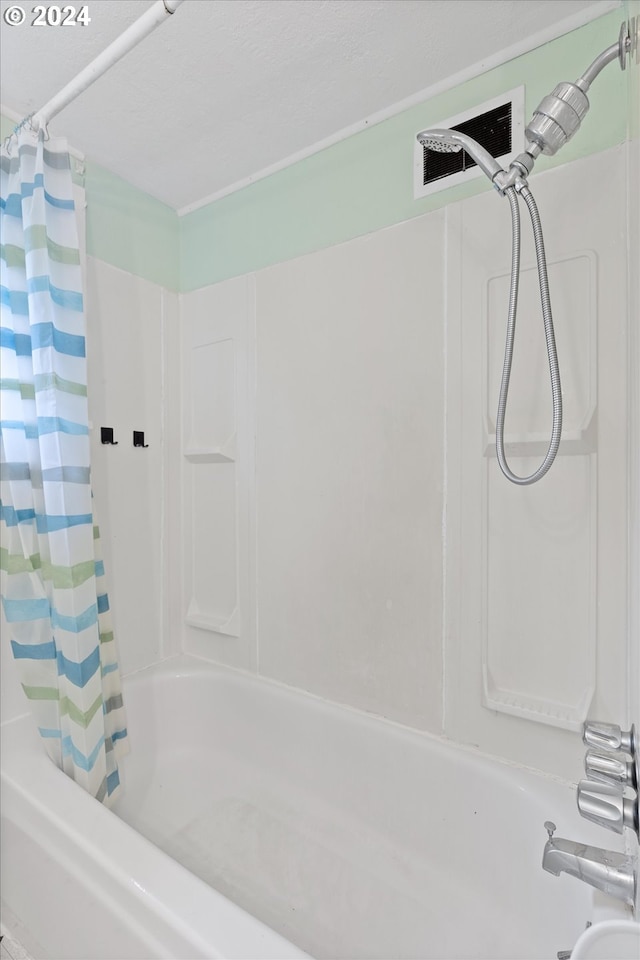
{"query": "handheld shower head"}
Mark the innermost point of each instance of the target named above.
(451, 141)
(439, 144)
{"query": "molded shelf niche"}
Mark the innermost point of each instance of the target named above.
(228, 626)
(574, 442)
(226, 453)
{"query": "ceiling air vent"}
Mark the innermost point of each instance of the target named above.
(498, 126)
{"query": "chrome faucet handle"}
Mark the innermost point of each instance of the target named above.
(610, 768)
(605, 804)
(609, 736)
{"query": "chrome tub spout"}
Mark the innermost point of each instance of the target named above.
(613, 873)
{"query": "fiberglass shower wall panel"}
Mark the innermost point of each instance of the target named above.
(536, 575)
(127, 323)
(218, 466)
(350, 394)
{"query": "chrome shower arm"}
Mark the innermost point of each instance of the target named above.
(587, 78)
(619, 50)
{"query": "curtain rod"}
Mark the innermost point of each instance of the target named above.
(149, 20)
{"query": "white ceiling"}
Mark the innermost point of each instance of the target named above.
(226, 88)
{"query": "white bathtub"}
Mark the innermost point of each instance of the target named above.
(250, 808)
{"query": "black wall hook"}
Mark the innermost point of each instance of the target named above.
(106, 436)
(138, 439)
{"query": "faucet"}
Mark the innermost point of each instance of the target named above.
(613, 873)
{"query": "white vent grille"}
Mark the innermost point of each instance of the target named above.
(497, 124)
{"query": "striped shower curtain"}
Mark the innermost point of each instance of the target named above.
(53, 593)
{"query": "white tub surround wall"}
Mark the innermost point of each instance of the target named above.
(218, 473)
(132, 334)
(349, 472)
(350, 390)
(369, 356)
(541, 631)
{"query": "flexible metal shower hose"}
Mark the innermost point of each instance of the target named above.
(554, 370)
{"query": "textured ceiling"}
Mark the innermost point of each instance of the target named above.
(226, 88)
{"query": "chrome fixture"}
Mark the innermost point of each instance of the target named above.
(609, 736)
(613, 873)
(601, 797)
(554, 122)
(610, 768)
(605, 804)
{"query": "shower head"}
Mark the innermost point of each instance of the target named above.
(451, 141)
(439, 144)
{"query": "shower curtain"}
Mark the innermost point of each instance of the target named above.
(53, 593)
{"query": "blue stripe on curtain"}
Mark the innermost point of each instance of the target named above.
(13, 203)
(12, 206)
(69, 299)
(17, 611)
(113, 781)
(11, 517)
(45, 524)
(45, 425)
(34, 651)
(75, 624)
(16, 300)
(7, 337)
(46, 335)
(61, 425)
(79, 673)
(103, 603)
(20, 343)
(84, 762)
(51, 524)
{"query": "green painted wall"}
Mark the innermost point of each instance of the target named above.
(6, 127)
(365, 183)
(357, 186)
(129, 229)
(126, 227)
